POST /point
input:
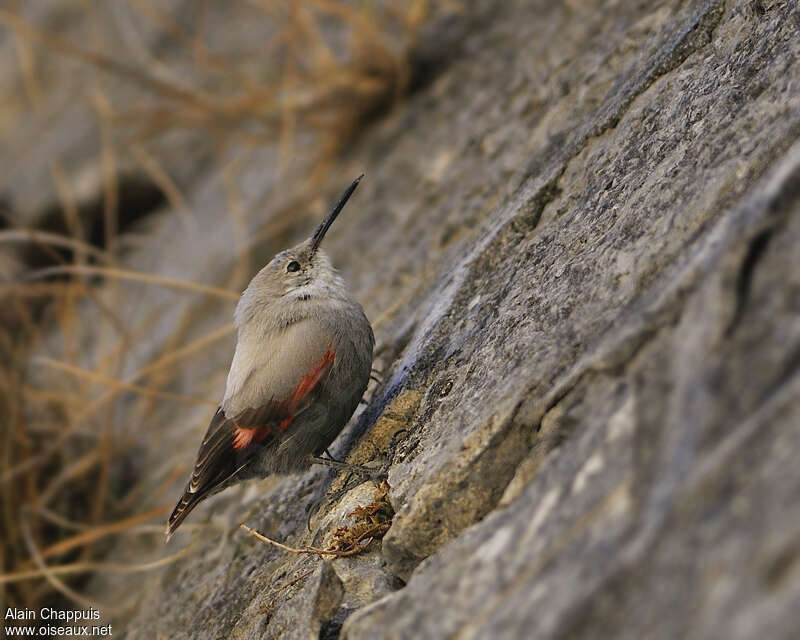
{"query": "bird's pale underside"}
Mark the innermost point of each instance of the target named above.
(302, 362)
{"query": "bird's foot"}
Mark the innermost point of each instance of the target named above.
(376, 475)
(366, 473)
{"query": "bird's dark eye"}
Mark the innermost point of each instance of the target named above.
(294, 265)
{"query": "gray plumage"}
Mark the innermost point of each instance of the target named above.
(302, 363)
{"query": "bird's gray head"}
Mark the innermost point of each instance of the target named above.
(299, 274)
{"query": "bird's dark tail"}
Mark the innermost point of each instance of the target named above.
(184, 507)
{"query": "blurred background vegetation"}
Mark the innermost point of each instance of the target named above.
(161, 93)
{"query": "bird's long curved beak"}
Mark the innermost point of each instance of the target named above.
(322, 229)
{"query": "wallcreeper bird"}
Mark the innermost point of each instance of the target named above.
(302, 362)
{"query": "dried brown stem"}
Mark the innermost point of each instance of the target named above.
(370, 533)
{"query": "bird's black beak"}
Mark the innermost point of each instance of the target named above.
(322, 229)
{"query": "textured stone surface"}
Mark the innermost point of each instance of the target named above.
(579, 246)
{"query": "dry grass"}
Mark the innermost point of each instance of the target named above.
(67, 493)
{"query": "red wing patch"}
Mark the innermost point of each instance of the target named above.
(308, 383)
(244, 436)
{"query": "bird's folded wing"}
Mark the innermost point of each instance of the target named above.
(230, 442)
(219, 459)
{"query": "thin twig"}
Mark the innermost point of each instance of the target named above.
(105, 63)
(167, 185)
(119, 384)
(47, 572)
(136, 276)
(84, 567)
(53, 239)
(96, 533)
(314, 550)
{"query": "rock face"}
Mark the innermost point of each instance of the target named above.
(580, 246)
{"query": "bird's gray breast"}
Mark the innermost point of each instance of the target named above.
(268, 364)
